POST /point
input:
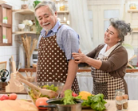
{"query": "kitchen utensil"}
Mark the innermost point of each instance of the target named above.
(29, 77)
(21, 26)
(55, 86)
(21, 76)
(14, 85)
(49, 93)
(57, 105)
(4, 74)
(28, 48)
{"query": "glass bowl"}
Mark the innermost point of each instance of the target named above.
(35, 94)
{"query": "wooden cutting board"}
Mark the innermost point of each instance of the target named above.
(17, 105)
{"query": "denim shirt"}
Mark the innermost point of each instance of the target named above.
(67, 39)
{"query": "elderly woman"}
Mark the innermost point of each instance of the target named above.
(108, 61)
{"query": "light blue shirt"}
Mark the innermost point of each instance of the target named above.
(67, 39)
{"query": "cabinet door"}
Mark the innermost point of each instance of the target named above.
(5, 25)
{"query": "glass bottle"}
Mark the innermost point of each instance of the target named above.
(125, 100)
(119, 100)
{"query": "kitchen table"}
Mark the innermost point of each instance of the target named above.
(111, 106)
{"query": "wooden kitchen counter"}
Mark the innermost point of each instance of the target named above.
(88, 69)
(81, 69)
(111, 106)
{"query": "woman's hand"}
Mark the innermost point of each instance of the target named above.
(79, 57)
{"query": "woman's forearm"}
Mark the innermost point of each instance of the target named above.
(93, 62)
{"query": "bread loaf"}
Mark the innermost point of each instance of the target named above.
(17, 105)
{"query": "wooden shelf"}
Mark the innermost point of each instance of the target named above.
(27, 69)
(28, 11)
(5, 44)
(24, 32)
(6, 28)
(88, 69)
(24, 11)
(131, 70)
(133, 11)
(7, 25)
(61, 12)
(135, 31)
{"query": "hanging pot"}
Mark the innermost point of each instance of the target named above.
(57, 105)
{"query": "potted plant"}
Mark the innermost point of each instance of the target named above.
(38, 27)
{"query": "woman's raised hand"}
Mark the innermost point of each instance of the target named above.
(79, 57)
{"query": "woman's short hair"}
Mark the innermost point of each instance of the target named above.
(48, 3)
(122, 28)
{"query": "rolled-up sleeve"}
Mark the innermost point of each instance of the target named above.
(70, 41)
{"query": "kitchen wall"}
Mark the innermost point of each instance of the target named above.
(7, 51)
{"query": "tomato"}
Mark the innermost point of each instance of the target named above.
(41, 101)
(4, 97)
(74, 94)
(12, 96)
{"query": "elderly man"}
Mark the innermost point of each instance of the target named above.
(56, 44)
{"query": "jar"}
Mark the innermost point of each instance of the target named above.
(125, 100)
(33, 27)
(5, 20)
(119, 100)
(132, 6)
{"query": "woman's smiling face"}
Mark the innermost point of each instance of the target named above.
(46, 18)
(111, 36)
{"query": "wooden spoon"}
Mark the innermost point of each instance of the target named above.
(47, 92)
(21, 76)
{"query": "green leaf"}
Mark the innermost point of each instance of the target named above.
(99, 106)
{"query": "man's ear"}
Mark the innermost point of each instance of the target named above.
(55, 13)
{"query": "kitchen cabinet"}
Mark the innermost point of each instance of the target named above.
(64, 17)
(62, 14)
(5, 25)
(134, 27)
(62, 10)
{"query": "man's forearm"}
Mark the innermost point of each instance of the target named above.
(72, 70)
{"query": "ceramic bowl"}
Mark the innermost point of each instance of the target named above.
(21, 26)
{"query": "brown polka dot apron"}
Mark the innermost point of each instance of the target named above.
(104, 83)
(52, 63)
